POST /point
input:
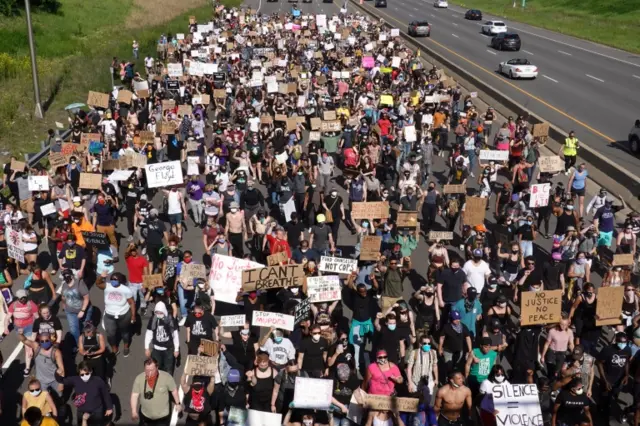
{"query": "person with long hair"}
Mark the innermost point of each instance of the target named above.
(119, 312)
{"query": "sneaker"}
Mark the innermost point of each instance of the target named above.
(144, 251)
(183, 320)
(130, 238)
(26, 372)
(623, 419)
(472, 175)
(143, 311)
(125, 352)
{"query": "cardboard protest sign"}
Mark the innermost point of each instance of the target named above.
(38, 183)
(540, 195)
(225, 278)
(164, 174)
(337, 265)
(185, 110)
(301, 311)
(110, 165)
(454, 189)
(329, 115)
(15, 246)
(331, 126)
(440, 236)
(192, 271)
(97, 99)
(407, 219)
(201, 366)
(209, 347)
(474, 211)
(540, 307)
(263, 418)
(391, 403)
(56, 160)
(124, 96)
(370, 210)
(324, 288)
(516, 404)
(18, 165)
(168, 127)
(277, 258)
(313, 393)
(233, 320)
(494, 155)
(72, 150)
(277, 276)
(152, 281)
(96, 239)
(609, 306)
(370, 247)
(272, 319)
(550, 164)
(316, 123)
(90, 181)
(540, 130)
(147, 137)
(622, 259)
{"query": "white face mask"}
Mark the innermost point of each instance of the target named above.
(85, 378)
(35, 392)
(160, 316)
(579, 391)
(234, 210)
(499, 379)
(295, 290)
(307, 422)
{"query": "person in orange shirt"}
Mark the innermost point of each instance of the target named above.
(80, 225)
(438, 119)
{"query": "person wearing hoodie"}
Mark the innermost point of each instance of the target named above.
(161, 339)
(91, 394)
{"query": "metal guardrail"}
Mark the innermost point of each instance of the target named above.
(33, 159)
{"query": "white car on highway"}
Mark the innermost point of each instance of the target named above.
(494, 27)
(441, 3)
(518, 68)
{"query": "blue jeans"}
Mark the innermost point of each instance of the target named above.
(406, 150)
(344, 421)
(472, 159)
(186, 299)
(138, 294)
(75, 323)
(527, 248)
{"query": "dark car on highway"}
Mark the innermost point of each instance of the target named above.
(473, 14)
(506, 41)
(381, 3)
(419, 28)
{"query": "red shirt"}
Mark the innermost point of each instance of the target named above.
(385, 126)
(276, 246)
(136, 266)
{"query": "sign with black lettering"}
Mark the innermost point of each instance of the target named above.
(201, 366)
(541, 307)
(517, 405)
(96, 239)
(301, 311)
(338, 265)
(277, 276)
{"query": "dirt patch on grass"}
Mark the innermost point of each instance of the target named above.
(153, 12)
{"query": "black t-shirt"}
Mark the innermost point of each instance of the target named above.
(526, 232)
(201, 328)
(551, 274)
(451, 284)
(571, 406)
(155, 232)
(172, 258)
(72, 256)
(320, 237)
(132, 195)
(294, 230)
(454, 341)
(47, 326)
(244, 352)
(364, 308)
(343, 392)
(615, 360)
(389, 341)
(535, 277)
(174, 149)
(163, 332)
(313, 351)
(346, 357)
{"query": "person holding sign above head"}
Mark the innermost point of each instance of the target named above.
(197, 398)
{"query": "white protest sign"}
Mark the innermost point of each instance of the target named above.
(313, 393)
(225, 278)
(321, 20)
(272, 87)
(338, 265)
(120, 175)
(324, 288)
(210, 68)
(494, 155)
(517, 405)
(48, 209)
(232, 320)
(174, 70)
(395, 32)
(38, 183)
(395, 62)
(15, 248)
(273, 319)
(540, 195)
(196, 68)
(164, 174)
(410, 133)
(263, 418)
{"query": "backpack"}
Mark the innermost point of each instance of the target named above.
(154, 325)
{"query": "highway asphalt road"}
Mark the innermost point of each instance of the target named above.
(582, 86)
(126, 369)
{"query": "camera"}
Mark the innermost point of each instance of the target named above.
(148, 395)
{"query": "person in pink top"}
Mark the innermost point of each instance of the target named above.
(559, 339)
(24, 313)
(382, 376)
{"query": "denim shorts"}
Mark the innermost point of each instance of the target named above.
(175, 219)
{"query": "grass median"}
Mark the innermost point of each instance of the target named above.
(613, 23)
(75, 49)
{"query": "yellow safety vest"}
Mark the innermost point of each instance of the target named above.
(570, 146)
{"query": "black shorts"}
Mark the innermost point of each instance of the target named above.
(578, 192)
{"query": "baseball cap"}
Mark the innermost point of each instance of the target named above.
(234, 205)
(234, 376)
(477, 253)
(472, 290)
(480, 228)
(578, 351)
(455, 315)
(321, 218)
(21, 293)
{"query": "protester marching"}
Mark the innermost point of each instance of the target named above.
(288, 219)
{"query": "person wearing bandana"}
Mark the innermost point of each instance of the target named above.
(197, 399)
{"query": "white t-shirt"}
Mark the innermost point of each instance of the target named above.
(148, 62)
(192, 166)
(487, 385)
(109, 126)
(173, 199)
(254, 124)
(476, 273)
(115, 299)
(279, 353)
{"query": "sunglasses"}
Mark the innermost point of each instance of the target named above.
(84, 374)
(34, 390)
(44, 341)
(381, 357)
(393, 263)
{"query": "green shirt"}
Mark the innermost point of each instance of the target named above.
(159, 406)
(480, 370)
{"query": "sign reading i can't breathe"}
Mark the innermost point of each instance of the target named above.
(338, 265)
(277, 276)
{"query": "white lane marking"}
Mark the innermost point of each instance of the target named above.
(454, 35)
(527, 52)
(636, 76)
(431, 14)
(259, 5)
(595, 78)
(13, 356)
(493, 53)
(454, 24)
(549, 78)
(174, 414)
(564, 53)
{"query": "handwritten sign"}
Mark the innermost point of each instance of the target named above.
(550, 164)
(390, 403)
(540, 195)
(623, 259)
(273, 319)
(124, 96)
(301, 311)
(407, 220)
(233, 320)
(152, 281)
(454, 189)
(15, 247)
(209, 347)
(192, 271)
(331, 126)
(18, 166)
(56, 160)
(516, 405)
(440, 236)
(164, 174)
(494, 155)
(609, 306)
(474, 211)
(97, 99)
(277, 258)
(225, 278)
(38, 183)
(277, 276)
(370, 210)
(324, 288)
(96, 239)
(313, 393)
(201, 366)
(90, 181)
(541, 307)
(540, 130)
(48, 209)
(263, 418)
(338, 265)
(370, 247)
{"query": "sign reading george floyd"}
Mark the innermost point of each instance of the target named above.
(201, 366)
(541, 307)
(277, 276)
